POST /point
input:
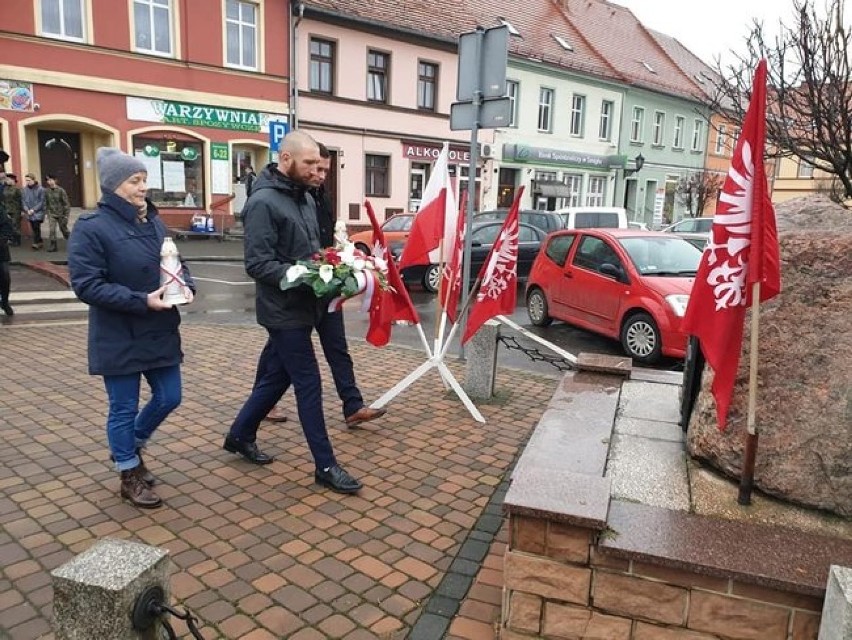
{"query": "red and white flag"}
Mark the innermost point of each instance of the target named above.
(498, 291)
(387, 306)
(451, 276)
(743, 250)
(436, 218)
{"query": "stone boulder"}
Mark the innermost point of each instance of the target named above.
(804, 401)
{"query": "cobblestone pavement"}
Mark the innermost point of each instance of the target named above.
(261, 552)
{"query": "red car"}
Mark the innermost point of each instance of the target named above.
(627, 284)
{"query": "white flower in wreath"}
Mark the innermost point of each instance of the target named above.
(326, 273)
(295, 272)
(359, 264)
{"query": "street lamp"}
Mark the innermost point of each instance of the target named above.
(638, 162)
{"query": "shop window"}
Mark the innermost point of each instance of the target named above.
(175, 170)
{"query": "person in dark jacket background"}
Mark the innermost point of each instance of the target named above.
(281, 228)
(114, 263)
(7, 235)
(32, 197)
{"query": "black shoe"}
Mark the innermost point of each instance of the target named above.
(336, 479)
(7, 308)
(247, 450)
(52, 248)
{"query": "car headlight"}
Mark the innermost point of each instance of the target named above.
(678, 302)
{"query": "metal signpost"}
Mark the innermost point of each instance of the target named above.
(482, 104)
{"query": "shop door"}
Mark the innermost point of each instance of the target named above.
(417, 181)
(59, 152)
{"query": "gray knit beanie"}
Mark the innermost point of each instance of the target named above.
(115, 166)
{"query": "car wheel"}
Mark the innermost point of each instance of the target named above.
(362, 247)
(640, 338)
(537, 308)
(432, 278)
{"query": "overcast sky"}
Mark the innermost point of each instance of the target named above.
(713, 27)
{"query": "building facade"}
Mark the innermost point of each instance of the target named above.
(194, 104)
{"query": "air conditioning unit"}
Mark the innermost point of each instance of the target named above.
(487, 151)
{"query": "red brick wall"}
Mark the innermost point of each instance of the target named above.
(559, 585)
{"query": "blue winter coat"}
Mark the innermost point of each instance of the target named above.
(114, 262)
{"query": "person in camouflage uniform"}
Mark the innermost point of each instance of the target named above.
(14, 206)
(58, 208)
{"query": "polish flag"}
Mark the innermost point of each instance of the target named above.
(498, 291)
(743, 250)
(436, 219)
(387, 307)
(451, 285)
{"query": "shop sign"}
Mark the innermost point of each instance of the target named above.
(559, 157)
(197, 115)
(429, 153)
(17, 96)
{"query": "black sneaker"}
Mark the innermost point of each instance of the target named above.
(336, 479)
(7, 308)
(247, 450)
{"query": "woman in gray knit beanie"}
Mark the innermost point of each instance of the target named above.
(114, 263)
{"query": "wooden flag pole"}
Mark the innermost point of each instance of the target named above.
(747, 476)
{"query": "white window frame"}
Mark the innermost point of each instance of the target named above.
(697, 126)
(513, 90)
(596, 191)
(574, 182)
(721, 140)
(659, 127)
(805, 170)
(605, 128)
(545, 109)
(61, 34)
(677, 138)
(637, 124)
(151, 4)
(240, 24)
(578, 115)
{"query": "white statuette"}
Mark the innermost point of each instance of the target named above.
(171, 274)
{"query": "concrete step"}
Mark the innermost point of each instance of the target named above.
(42, 302)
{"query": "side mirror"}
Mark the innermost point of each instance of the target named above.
(609, 269)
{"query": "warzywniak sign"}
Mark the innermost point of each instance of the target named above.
(559, 157)
(199, 115)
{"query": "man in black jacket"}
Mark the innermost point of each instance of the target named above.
(281, 227)
(330, 327)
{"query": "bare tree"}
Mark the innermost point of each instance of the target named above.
(810, 88)
(695, 190)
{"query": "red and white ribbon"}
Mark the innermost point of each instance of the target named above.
(366, 284)
(172, 277)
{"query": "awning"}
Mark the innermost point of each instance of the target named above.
(553, 190)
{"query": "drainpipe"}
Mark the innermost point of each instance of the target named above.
(296, 14)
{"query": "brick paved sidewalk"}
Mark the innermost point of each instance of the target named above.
(261, 552)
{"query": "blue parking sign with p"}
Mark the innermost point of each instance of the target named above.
(277, 131)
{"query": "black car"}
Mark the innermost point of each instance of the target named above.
(545, 220)
(482, 237)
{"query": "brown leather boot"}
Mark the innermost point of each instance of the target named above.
(149, 478)
(135, 489)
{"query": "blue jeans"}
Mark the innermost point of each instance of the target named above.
(128, 428)
(288, 358)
